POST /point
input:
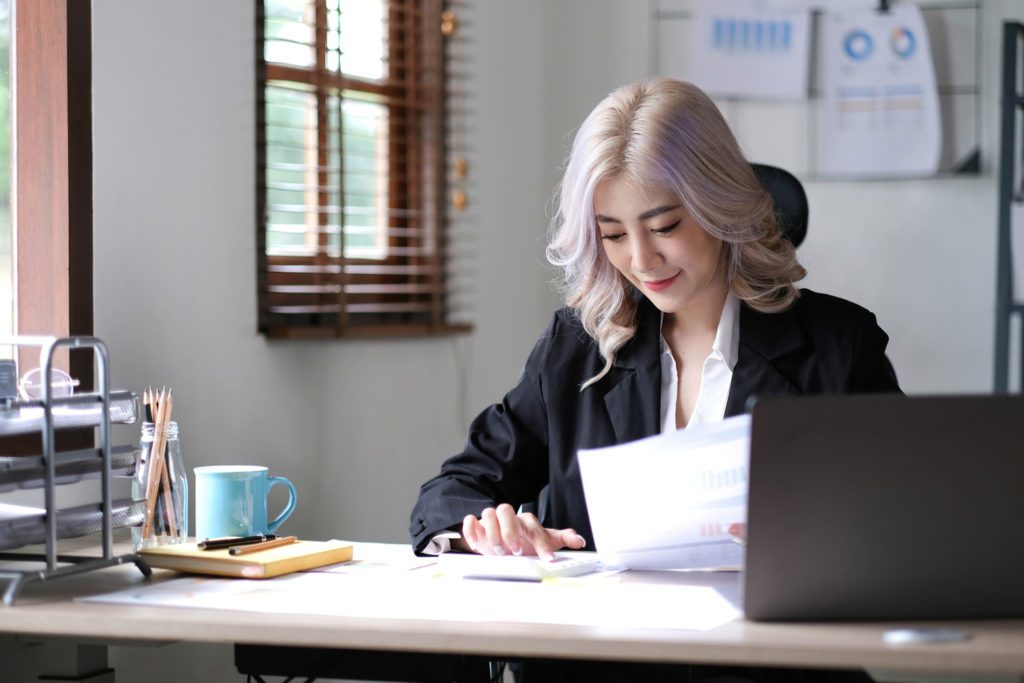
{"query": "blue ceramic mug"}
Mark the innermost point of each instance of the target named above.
(231, 500)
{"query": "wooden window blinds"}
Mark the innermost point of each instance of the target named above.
(361, 170)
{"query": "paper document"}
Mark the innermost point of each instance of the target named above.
(419, 595)
(880, 112)
(378, 558)
(666, 502)
(737, 48)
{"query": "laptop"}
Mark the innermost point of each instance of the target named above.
(886, 507)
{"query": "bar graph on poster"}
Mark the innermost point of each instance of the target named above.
(739, 50)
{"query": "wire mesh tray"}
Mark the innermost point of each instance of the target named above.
(22, 417)
(30, 529)
(20, 472)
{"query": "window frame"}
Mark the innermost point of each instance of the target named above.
(51, 103)
(51, 187)
(334, 275)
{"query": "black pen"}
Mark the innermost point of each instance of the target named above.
(229, 541)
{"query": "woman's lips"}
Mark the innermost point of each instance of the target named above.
(659, 285)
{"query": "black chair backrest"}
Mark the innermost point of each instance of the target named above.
(787, 193)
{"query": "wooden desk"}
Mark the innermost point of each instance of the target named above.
(997, 647)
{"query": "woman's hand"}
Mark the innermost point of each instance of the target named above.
(500, 531)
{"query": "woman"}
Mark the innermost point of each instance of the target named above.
(680, 307)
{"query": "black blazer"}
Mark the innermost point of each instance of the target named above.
(820, 345)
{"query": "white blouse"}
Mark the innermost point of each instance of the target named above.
(715, 376)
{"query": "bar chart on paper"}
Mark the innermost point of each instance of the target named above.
(740, 52)
(667, 502)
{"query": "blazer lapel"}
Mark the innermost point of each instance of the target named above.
(764, 338)
(634, 397)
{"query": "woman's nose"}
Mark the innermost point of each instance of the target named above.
(645, 256)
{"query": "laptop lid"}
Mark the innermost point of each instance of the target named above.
(886, 507)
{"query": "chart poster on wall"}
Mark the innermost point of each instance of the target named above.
(741, 49)
(879, 114)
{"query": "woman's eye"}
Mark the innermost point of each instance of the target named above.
(667, 229)
(616, 237)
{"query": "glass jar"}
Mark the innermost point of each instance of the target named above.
(168, 523)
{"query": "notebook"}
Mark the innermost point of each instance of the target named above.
(886, 507)
(263, 564)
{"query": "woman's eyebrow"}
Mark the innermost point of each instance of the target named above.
(646, 215)
(651, 213)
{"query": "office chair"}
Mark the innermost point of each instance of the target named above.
(789, 198)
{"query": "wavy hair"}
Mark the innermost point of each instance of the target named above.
(668, 135)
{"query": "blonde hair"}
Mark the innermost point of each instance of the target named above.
(664, 134)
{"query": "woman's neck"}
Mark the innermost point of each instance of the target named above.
(700, 317)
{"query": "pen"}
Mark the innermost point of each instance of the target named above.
(266, 545)
(230, 541)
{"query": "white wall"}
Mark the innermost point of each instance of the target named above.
(359, 424)
(399, 408)
(920, 254)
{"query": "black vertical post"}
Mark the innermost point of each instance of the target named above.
(1007, 163)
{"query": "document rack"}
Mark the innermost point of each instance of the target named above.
(96, 410)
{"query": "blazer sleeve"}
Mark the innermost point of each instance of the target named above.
(871, 371)
(505, 459)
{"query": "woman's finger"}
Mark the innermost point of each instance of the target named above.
(541, 542)
(568, 538)
(492, 530)
(472, 532)
(510, 528)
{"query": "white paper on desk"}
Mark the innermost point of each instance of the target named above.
(667, 501)
(421, 596)
(377, 558)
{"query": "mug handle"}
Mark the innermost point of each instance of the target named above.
(289, 508)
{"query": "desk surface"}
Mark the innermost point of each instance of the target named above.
(997, 647)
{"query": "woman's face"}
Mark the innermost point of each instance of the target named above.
(651, 239)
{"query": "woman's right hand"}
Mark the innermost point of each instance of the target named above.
(500, 531)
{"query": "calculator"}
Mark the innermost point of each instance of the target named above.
(517, 568)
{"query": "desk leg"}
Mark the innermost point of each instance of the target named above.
(70, 661)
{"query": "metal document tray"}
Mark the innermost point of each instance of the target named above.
(71, 412)
(21, 472)
(71, 522)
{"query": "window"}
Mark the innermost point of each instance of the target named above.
(50, 136)
(359, 186)
(6, 271)
(51, 105)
